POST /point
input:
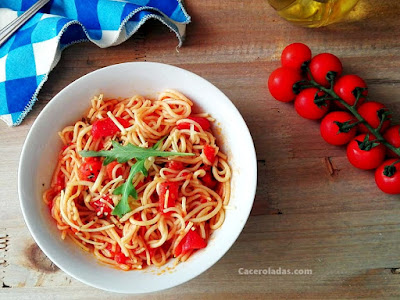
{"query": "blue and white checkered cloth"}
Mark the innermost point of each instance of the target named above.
(32, 52)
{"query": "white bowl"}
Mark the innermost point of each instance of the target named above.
(41, 148)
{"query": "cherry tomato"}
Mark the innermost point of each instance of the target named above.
(90, 169)
(101, 206)
(387, 176)
(330, 130)
(294, 55)
(306, 107)
(369, 111)
(203, 122)
(173, 189)
(209, 153)
(110, 168)
(323, 63)
(106, 127)
(392, 136)
(362, 158)
(280, 83)
(192, 240)
(344, 88)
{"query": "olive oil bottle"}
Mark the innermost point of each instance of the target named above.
(313, 13)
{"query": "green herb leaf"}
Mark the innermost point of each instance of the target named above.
(127, 189)
(383, 114)
(320, 99)
(366, 144)
(330, 77)
(124, 153)
(157, 145)
(389, 171)
(345, 126)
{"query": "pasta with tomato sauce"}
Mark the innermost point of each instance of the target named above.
(140, 209)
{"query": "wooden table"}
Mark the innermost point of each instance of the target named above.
(312, 210)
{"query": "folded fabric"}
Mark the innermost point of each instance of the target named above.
(32, 52)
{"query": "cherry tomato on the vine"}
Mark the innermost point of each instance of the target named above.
(387, 176)
(392, 136)
(322, 64)
(370, 112)
(365, 159)
(294, 55)
(330, 129)
(280, 83)
(345, 87)
(306, 107)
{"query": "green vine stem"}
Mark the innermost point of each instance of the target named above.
(353, 110)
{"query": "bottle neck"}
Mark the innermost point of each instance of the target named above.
(280, 4)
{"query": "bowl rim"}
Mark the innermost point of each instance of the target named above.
(24, 156)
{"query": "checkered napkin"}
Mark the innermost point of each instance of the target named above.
(32, 52)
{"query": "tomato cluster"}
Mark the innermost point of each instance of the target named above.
(319, 91)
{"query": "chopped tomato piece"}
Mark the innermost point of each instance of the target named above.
(125, 123)
(65, 147)
(109, 248)
(191, 241)
(142, 230)
(209, 152)
(166, 246)
(172, 189)
(152, 251)
(178, 249)
(100, 146)
(142, 183)
(203, 122)
(120, 258)
(175, 165)
(110, 168)
(106, 127)
(90, 169)
(50, 205)
(209, 181)
(185, 174)
(102, 208)
(60, 183)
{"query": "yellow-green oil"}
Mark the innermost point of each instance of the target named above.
(313, 13)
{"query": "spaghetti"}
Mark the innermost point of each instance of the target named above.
(179, 203)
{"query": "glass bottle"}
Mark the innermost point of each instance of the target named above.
(313, 13)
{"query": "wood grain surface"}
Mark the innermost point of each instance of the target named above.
(312, 209)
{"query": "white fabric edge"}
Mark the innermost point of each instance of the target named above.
(57, 56)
